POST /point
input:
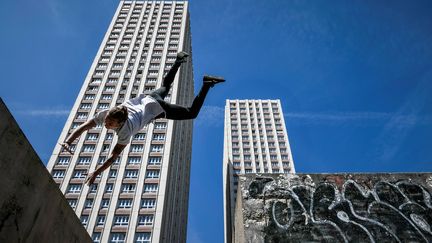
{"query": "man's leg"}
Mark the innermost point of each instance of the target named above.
(169, 78)
(176, 112)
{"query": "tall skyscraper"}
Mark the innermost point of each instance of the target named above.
(255, 141)
(143, 197)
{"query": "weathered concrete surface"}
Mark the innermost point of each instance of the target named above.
(334, 208)
(32, 208)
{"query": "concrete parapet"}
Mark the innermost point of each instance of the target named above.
(32, 207)
(384, 207)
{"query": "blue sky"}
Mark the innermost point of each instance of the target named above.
(354, 79)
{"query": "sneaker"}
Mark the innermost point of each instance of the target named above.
(212, 80)
(181, 57)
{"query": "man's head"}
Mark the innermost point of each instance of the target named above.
(116, 117)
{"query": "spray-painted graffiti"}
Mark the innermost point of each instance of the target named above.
(344, 212)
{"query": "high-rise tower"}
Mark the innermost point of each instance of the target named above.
(255, 141)
(143, 197)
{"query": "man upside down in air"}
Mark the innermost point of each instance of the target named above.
(132, 115)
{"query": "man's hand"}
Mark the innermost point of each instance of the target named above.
(91, 178)
(67, 147)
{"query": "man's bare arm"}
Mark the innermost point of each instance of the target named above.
(118, 148)
(83, 127)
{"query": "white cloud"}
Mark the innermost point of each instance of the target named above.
(194, 236)
(400, 125)
(335, 118)
(57, 10)
(44, 112)
(211, 116)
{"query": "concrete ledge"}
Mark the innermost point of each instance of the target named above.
(383, 207)
(32, 207)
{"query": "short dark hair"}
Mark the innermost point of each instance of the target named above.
(119, 113)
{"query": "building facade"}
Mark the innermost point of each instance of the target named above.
(255, 141)
(143, 197)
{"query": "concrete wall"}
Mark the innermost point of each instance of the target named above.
(32, 208)
(335, 208)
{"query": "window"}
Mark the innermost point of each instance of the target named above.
(72, 203)
(101, 159)
(88, 203)
(85, 106)
(117, 237)
(142, 237)
(146, 219)
(121, 220)
(105, 203)
(152, 174)
(74, 188)
(148, 203)
(92, 136)
(134, 160)
(151, 81)
(84, 160)
(96, 237)
(125, 203)
(105, 148)
(103, 106)
(109, 136)
(58, 174)
(136, 148)
(93, 88)
(106, 97)
(131, 173)
(89, 97)
(84, 220)
(156, 148)
(100, 220)
(154, 160)
(63, 160)
(88, 148)
(128, 188)
(79, 174)
(109, 188)
(112, 173)
(93, 188)
(160, 125)
(150, 188)
(158, 136)
(139, 136)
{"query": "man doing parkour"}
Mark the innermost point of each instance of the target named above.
(131, 116)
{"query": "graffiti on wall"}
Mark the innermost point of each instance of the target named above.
(346, 212)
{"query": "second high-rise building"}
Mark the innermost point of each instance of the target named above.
(255, 141)
(143, 197)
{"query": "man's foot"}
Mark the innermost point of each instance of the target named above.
(212, 80)
(181, 57)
